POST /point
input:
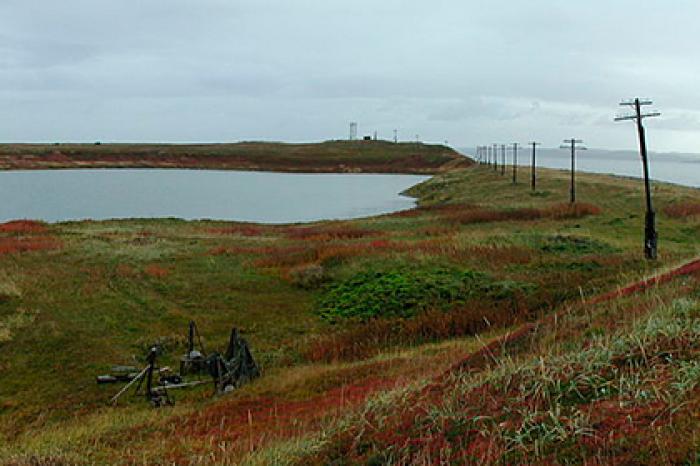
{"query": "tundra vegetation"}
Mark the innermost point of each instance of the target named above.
(464, 330)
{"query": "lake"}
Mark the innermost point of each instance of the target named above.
(671, 167)
(59, 195)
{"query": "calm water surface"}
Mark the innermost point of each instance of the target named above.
(58, 195)
(671, 167)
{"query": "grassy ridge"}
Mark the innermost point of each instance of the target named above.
(86, 295)
(331, 156)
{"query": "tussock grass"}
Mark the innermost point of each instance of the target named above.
(563, 402)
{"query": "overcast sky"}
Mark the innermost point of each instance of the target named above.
(463, 71)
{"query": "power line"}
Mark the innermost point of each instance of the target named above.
(571, 143)
(495, 157)
(515, 162)
(650, 235)
(503, 155)
(533, 169)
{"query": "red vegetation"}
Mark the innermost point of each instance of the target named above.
(329, 233)
(296, 255)
(23, 226)
(683, 209)
(474, 214)
(242, 230)
(291, 256)
(405, 430)
(687, 269)
(16, 245)
(243, 425)
(567, 211)
(156, 271)
(367, 340)
(125, 270)
(247, 424)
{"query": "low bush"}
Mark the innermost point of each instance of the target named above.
(156, 271)
(329, 233)
(23, 226)
(469, 214)
(568, 211)
(682, 209)
(405, 293)
(242, 230)
(308, 276)
(16, 245)
(365, 340)
(578, 245)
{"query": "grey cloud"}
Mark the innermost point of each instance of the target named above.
(463, 70)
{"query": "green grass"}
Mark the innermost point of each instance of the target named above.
(115, 287)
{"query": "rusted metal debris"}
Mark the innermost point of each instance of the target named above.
(228, 371)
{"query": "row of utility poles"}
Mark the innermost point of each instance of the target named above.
(489, 155)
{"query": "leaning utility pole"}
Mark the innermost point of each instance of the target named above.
(515, 162)
(503, 155)
(571, 143)
(533, 181)
(650, 235)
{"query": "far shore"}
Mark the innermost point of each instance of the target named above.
(325, 157)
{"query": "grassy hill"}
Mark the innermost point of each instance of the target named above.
(467, 326)
(331, 156)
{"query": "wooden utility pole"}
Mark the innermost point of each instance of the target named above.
(571, 143)
(515, 162)
(650, 235)
(533, 168)
(503, 155)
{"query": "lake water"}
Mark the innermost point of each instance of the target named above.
(58, 195)
(672, 167)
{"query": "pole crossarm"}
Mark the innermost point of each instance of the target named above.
(533, 165)
(634, 117)
(650, 234)
(572, 145)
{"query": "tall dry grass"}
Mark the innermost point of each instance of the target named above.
(369, 339)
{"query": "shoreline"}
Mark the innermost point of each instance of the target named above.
(380, 157)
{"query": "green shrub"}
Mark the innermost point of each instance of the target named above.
(561, 244)
(405, 293)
